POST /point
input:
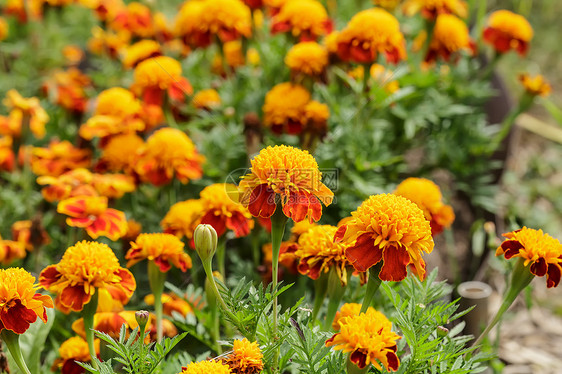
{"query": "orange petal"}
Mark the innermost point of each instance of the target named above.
(395, 263)
(364, 253)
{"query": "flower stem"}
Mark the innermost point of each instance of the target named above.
(320, 291)
(221, 255)
(12, 342)
(335, 295)
(373, 285)
(88, 315)
(278, 221)
(156, 278)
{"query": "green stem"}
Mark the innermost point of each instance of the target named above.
(216, 331)
(156, 279)
(373, 285)
(221, 255)
(12, 342)
(335, 296)
(320, 291)
(524, 103)
(278, 221)
(88, 315)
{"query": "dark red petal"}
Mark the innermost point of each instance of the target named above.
(539, 267)
(74, 297)
(553, 277)
(338, 236)
(239, 224)
(511, 248)
(216, 221)
(393, 361)
(364, 253)
(262, 201)
(71, 367)
(163, 265)
(358, 358)
(17, 318)
(395, 266)
(49, 275)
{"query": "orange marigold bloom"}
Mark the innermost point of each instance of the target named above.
(369, 33)
(536, 85)
(66, 185)
(140, 51)
(113, 186)
(391, 229)
(182, 218)
(187, 24)
(171, 303)
(290, 174)
(205, 367)
(67, 88)
(450, 36)
(109, 322)
(31, 233)
(72, 350)
(18, 8)
(4, 29)
(73, 54)
(84, 268)
(120, 152)
(26, 112)
(169, 153)
(135, 18)
(318, 253)
(347, 310)
(308, 58)
(430, 9)
(11, 250)
(7, 157)
(369, 339)
(108, 42)
(162, 30)
(539, 249)
(58, 158)
(427, 196)
(163, 249)
(284, 108)
(222, 209)
(20, 304)
(316, 115)
(306, 20)
(507, 30)
(157, 75)
(105, 9)
(206, 99)
(92, 214)
(246, 358)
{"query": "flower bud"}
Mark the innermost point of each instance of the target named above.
(442, 331)
(142, 317)
(205, 238)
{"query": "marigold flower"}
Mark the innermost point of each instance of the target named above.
(246, 358)
(308, 58)
(450, 35)
(187, 24)
(18, 8)
(221, 209)
(162, 29)
(84, 268)
(105, 9)
(539, 249)
(316, 115)
(182, 218)
(11, 250)
(120, 152)
(4, 29)
(71, 351)
(26, 112)
(7, 157)
(306, 20)
(113, 186)
(205, 367)
(347, 310)
(169, 153)
(109, 43)
(58, 158)
(387, 4)
(391, 229)
(66, 185)
(140, 51)
(73, 54)
(369, 33)
(92, 214)
(384, 78)
(134, 228)
(68, 89)
(108, 322)
(427, 196)
(171, 303)
(536, 85)
(31, 233)
(507, 30)
(430, 9)
(290, 173)
(163, 249)
(369, 339)
(284, 108)
(206, 99)
(135, 18)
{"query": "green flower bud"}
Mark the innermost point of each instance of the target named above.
(142, 317)
(205, 238)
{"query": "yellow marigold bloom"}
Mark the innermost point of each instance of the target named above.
(66, 185)
(162, 28)
(207, 99)
(11, 250)
(369, 339)
(140, 51)
(187, 24)
(246, 358)
(450, 35)
(182, 218)
(206, 367)
(171, 303)
(284, 108)
(304, 19)
(290, 173)
(73, 54)
(113, 186)
(163, 249)
(84, 268)
(233, 53)
(430, 9)
(169, 153)
(67, 89)
(536, 85)
(109, 43)
(4, 29)
(391, 229)
(72, 350)
(369, 33)
(20, 304)
(348, 310)
(300, 228)
(120, 152)
(117, 102)
(427, 196)
(318, 253)
(221, 209)
(539, 249)
(387, 4)
(58, 158)
(228, 19)
(331, 42)
(309, 58)
(102, 126)
(507, 30)
(316, 115)
(26, 112)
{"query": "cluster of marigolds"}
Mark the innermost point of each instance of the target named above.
(381, 241)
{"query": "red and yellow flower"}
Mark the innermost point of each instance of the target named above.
(289, 174)
(71, 351)
(215, 367)
(171, 303)
(84, 268)
(304, 19)
(284, 108)
(391, 229)
(136, 18)
(163, 249)
(120, 153)
(450, 36)
(508, 31)
(59, 158)
(20, 304)
(140, 51)
(182, 218)
(427, 196)
(113, 186)
(11, 250)
(7, 157)
(69, 184)
(369, 339)
(67, 89)
(108, 42)
(246, 358)
(540, 250)
(347, 310)
(536, 85)
(307, 58)
(92, 214)
(26, 112)
(207, 99)
(430, 9)
(31, 233)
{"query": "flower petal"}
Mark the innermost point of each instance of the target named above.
(364, 253)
